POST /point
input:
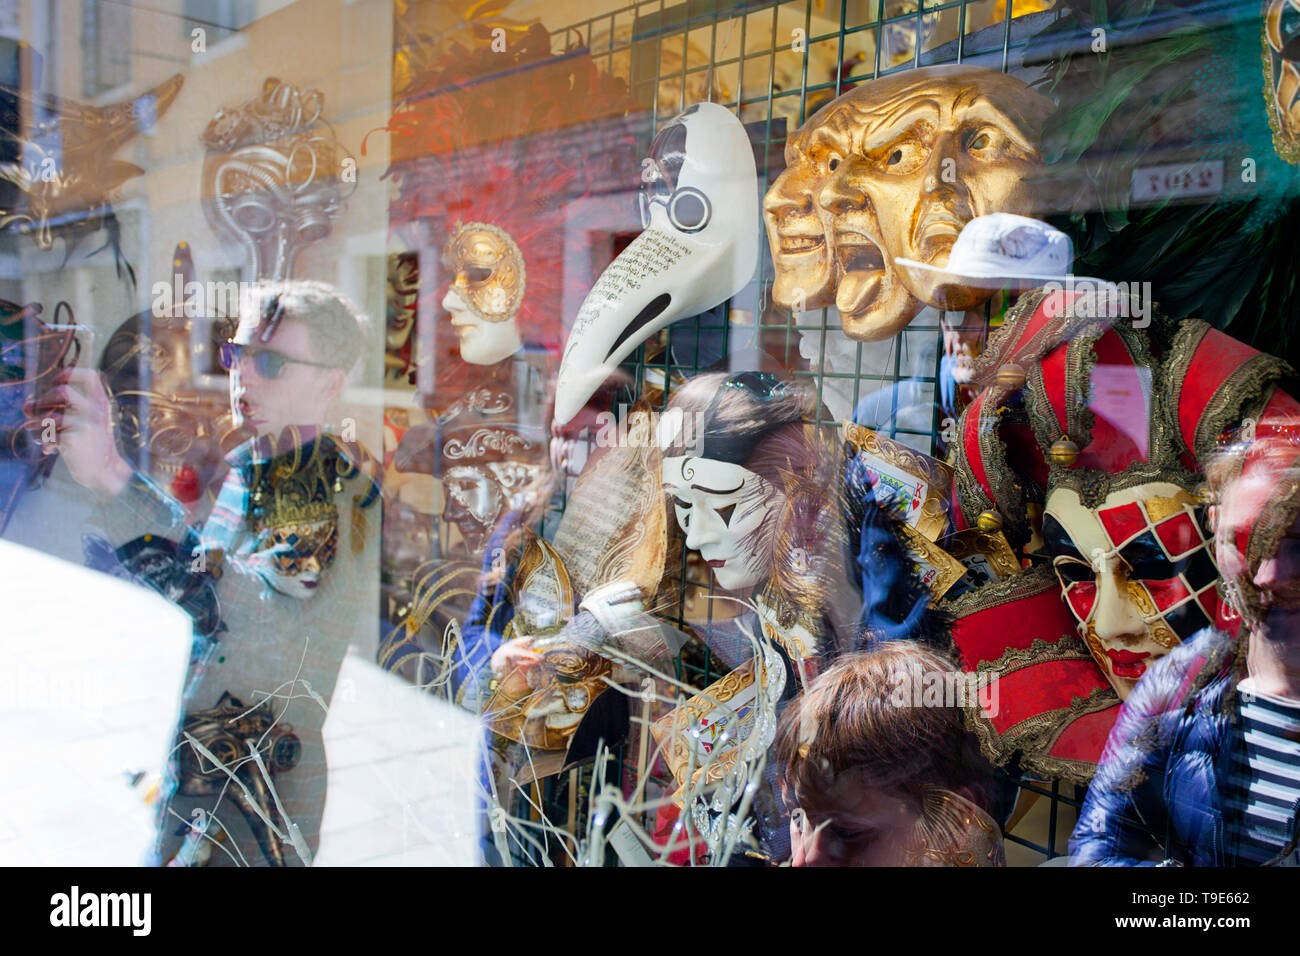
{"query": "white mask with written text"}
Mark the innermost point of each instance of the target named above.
(699, 205)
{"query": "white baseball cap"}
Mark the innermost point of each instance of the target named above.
(1002, 250)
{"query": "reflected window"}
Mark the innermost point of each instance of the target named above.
(105, 46)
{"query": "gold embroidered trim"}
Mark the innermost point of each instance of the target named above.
(1286, 145)
(1065, 327)
(1028, 584)
(1007, 490)
(1035, 736)
(1245, 390)
(971, 497)
(997, 351)
(1181, 350)
(1093, 486)
(1042, 417)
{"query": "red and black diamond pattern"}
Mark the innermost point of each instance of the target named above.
(1170, 559)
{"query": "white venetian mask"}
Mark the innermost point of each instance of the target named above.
(481, 342)
(728, 515)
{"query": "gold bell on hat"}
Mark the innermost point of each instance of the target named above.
(989, 521)
(1011, 376)
(1063, 452)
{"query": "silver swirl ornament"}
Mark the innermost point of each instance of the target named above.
(275, 176)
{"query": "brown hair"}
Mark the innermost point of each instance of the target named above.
(751, 411)
(858, 718)
(760, 422)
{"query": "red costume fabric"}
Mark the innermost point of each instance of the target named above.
(1074, 399)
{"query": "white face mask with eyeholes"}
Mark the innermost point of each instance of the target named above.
(728, 514)
(699, 206)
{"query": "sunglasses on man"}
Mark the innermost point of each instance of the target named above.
(267, 362)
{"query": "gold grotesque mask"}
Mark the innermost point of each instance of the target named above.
(1282, 68)
(487, 270)
(921, 153)
(804, 263)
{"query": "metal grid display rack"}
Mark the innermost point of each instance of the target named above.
(752, 58)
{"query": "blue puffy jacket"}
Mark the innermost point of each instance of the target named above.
(1159, 792)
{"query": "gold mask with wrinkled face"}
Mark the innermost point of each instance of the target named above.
(926, 151)
(487, 270)
(1282, 67)
(805, 270)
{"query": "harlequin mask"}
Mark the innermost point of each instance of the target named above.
(293, 558)
(1137, 573)
(1282, 63)
(931, 149)
(699, 248)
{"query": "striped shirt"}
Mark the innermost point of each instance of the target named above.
(1264, 781)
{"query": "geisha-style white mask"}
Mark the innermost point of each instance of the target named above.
(699, 205)
(728, 514)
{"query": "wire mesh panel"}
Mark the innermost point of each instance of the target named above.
(774, 65)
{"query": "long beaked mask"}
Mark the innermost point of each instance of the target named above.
(699, 248)
(1137, 573)
(921, 154)
(1282, 64)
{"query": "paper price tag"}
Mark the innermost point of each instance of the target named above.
(630, 850)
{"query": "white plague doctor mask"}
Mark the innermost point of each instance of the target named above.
(699, 205)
